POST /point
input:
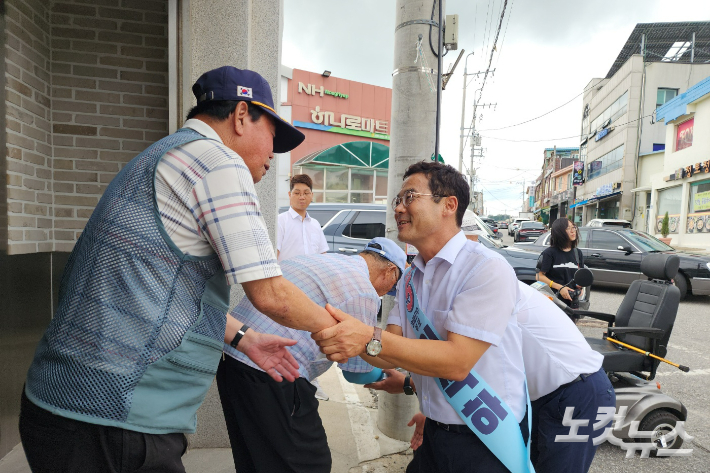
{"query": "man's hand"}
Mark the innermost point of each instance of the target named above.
(346, 339)
(393, 383)
(270, 354)
(418, 435)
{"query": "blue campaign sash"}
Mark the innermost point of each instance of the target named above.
(476, 403)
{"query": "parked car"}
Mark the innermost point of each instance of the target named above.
(502, 225)
(515, 223)
(472, 223)
(614, 256)
(325, 212)
(529, 231)
(350, 228)
(608, 222)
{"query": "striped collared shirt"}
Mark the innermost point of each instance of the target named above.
(342, 281)
(208, 204)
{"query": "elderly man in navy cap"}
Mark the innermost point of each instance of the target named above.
(139, 329)
(275, 426)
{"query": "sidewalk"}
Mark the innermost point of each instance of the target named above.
(350, 420)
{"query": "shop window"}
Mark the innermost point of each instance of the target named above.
(664, 95)
(612, 112)
(337, 180)
(317, 176)
(318, 197)
(605, 240)
(336, 197)
(699, 197)
(361, 180)
(361, 197)
(367, 225)
(607, 163)
(669, 201)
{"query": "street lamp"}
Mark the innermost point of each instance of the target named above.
(326, 74)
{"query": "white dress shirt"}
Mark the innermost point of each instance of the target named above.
(472, 291)
(554, 350)
(299, 236)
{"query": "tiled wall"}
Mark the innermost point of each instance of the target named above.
(86, 90)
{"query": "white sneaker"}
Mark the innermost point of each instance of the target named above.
(320, 394)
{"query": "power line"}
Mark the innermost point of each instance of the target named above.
(510, 13)
(544, 114)
(555, 139)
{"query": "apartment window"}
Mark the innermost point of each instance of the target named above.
(663, 95)
(607, 163)
(612, 113)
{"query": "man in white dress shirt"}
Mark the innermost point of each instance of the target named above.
(299, 233)
(469, 295)
(562, 371)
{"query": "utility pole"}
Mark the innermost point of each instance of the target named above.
(413, 138)
(463, 113)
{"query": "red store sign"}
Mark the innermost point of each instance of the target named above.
(684, 135)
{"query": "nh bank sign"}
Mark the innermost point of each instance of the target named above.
(311, 89)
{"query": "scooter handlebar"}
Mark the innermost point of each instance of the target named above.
(683, 368)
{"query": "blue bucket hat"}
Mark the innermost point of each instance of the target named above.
(230, 83)
(388, 250)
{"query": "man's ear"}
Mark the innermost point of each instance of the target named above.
(239, 116)
(451, 204)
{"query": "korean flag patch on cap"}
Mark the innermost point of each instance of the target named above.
(244, 92)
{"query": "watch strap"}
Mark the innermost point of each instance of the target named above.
(377, 335)
(237, 338)
(408, 390)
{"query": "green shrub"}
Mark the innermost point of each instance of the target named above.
(664, 226)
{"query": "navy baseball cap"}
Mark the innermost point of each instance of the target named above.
(388, 250)
(230, 83)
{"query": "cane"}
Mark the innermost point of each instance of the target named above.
(680, 367)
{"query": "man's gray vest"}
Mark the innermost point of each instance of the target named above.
(139, 329)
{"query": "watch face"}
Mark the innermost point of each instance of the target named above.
(374, 347)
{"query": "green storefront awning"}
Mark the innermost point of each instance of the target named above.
(362, 154)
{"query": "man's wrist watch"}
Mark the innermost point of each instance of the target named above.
(374, 346)
(238, 336)
(408, 389)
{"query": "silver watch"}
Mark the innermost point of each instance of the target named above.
(374, 346)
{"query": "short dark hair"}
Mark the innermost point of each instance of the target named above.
(302, 179)
(444, 180)
(558, 235)
(220, 110)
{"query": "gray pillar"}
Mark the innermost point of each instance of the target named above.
(245, 34)
(412, 140)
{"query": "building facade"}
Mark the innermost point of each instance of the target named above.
(347, 126)
(682, 188)
(555, 159)
(657, 63)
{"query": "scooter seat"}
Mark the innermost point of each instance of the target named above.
(620, 360)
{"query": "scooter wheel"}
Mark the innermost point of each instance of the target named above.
(661, 423)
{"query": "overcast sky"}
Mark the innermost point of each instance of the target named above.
(547, 52)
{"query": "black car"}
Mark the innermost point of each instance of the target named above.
(528, 231)
(614, 256)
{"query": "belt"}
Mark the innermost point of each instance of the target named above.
(455, 428)
(577, 379)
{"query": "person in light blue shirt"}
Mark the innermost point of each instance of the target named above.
(275, 426)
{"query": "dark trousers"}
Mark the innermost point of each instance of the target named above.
(586, 396)
(445, 451)
(273, 427)
(57, 444)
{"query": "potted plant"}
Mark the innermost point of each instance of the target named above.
(664, 230)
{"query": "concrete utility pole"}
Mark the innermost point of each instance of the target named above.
(463, 112)
(413, 136)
